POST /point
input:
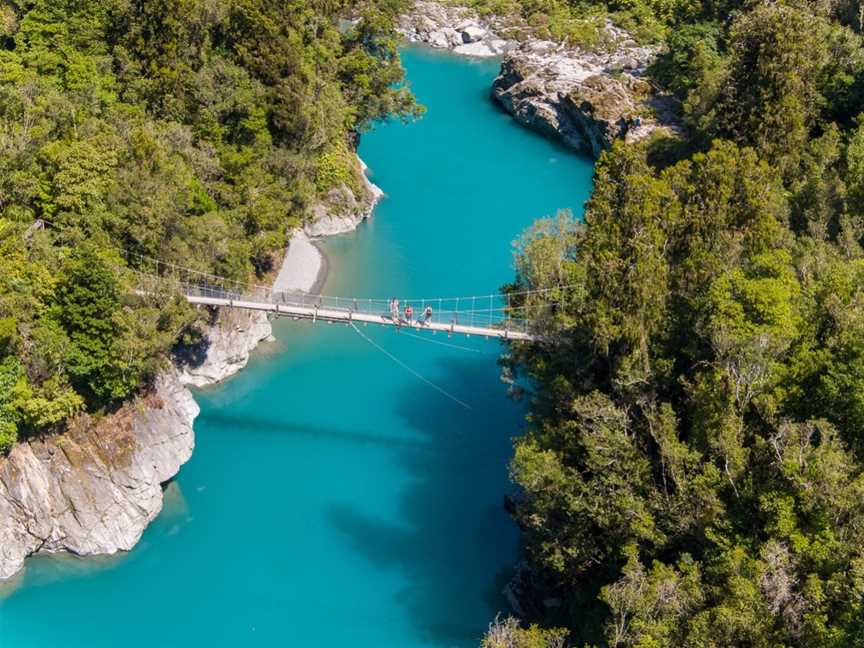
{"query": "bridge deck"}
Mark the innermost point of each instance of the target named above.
(348, 316)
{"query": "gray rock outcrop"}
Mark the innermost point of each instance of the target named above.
(342, 211)
(459, 29)
(94, 489)
(229, 342)
(585, 99)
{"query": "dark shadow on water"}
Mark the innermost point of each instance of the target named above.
(249, 425)
(453, 509)
(495, 594)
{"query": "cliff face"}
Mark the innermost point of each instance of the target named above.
(584, 99)
(96, 488)
(226, 351)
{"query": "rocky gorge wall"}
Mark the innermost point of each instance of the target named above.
(94, 489)
(585, 99)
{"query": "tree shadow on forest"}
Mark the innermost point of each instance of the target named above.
(457, 545)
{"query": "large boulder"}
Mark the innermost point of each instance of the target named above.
(473, 33)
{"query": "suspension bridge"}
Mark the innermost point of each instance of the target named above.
(506, 316)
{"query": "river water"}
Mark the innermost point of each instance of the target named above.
(334, 499)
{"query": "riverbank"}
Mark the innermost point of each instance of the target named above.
(94, 489)
(456, 28)
(305, 266)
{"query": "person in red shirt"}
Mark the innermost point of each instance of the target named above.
(409, 312)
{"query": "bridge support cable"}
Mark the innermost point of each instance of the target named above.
(409, 369)
(444, 344)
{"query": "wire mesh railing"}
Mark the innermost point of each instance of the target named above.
(496, 311)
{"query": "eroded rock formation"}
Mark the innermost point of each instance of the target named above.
(585, 99)
(94, 489)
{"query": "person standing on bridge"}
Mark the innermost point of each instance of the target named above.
(427, 316)
(409, 313)
(394, 311)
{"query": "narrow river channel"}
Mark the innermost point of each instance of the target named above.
(333, 498)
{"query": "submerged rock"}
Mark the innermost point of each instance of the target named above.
(94, 489)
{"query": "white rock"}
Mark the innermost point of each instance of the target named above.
(229, 345)
(473, 33)
(455, 28)
(95, 489)
(501, 46)
(438, 38)
(454, 38)
(480, 49)
(574, 96)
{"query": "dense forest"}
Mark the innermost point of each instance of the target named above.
(195, 131)
(693, 473)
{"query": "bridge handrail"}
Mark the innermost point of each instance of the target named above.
(492, 311)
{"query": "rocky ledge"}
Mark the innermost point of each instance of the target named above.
(231, 338)
(96, 488)
(585, 99)
(341, 210)
(458, 29)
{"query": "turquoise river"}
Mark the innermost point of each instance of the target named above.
(333, 498)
